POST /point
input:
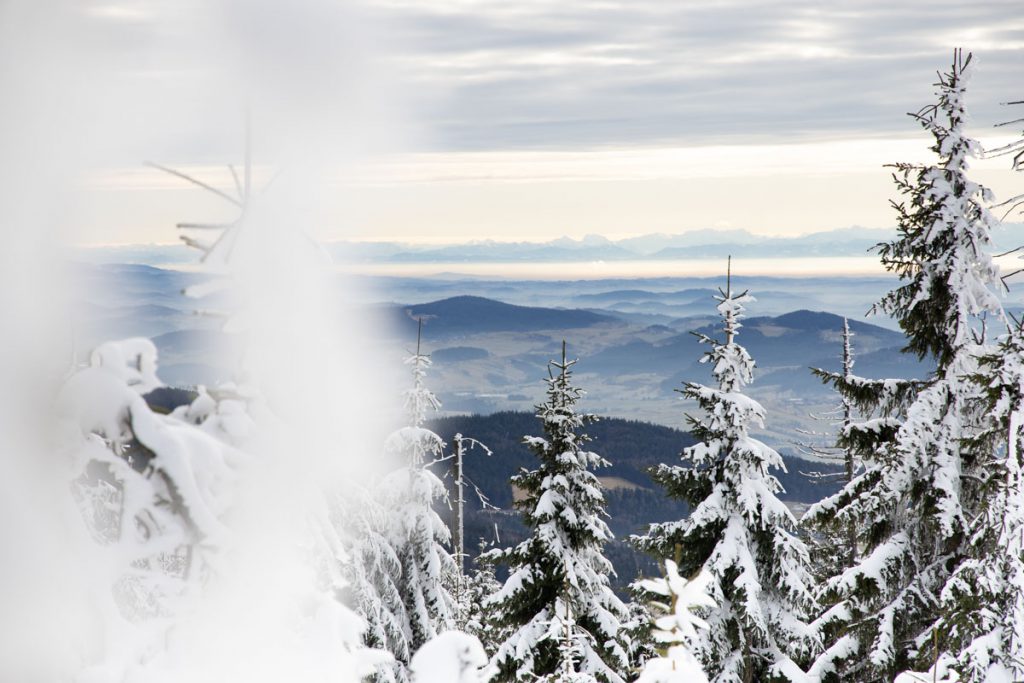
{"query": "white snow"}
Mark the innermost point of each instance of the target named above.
(450, 657)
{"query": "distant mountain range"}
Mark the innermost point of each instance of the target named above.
(689, 244)
(693, 244)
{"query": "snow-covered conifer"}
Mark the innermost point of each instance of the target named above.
(225, 464)
(981, 624)
(372, 572)
(156, 493)
(943, 248)
(417, 533)
(855, 509)
(565, 618)
(638, 627)
(738, 531)
(480, 584)
(917, 501)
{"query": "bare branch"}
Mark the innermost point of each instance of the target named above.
(195, 181)
(204, 226)
(195, 244)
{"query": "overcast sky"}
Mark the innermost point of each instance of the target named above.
(554, 75)
(539, 118)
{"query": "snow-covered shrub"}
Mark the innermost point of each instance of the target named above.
(152, 488)
(675, 627)
(451, 657)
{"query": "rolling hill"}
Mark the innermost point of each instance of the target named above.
(474, 314)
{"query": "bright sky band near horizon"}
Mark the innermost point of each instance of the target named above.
(538, 119)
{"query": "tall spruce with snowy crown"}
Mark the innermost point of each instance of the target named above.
(942, 249)
(566, 622)
(983, 602)
(927, 484)
(738, 530)
(418, 534)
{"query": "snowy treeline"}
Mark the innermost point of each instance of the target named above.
(914, 570)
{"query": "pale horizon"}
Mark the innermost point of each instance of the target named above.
(455, 120)
(450, 198)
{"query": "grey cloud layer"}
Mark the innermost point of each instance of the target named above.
(561, 74)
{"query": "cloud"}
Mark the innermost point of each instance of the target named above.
(550, 74)
(499, 75)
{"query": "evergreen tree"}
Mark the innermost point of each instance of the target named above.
(639, 627)
(417, 533)
(981, 623)
(565, 618)
(871, 414)
(916, 502)
(157, 493)
(480, 585)
(854, 510)
(151, 488)
(738, 531)
(942, 249)
(373, 574)
(399, 572)
(226, 472)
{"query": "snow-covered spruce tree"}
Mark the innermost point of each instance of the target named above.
(738, 530)
(868, 416)
(373, 572)
(675, 626)
(942, 250)
(416, 532)
(639, 627)
(481, 584)
(855, 509)
(312, 631)
(915, 508)
(982, 619)
(558, 585)
(154, 492)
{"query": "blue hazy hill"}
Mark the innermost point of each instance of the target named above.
(465, 314)
(800, 339)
